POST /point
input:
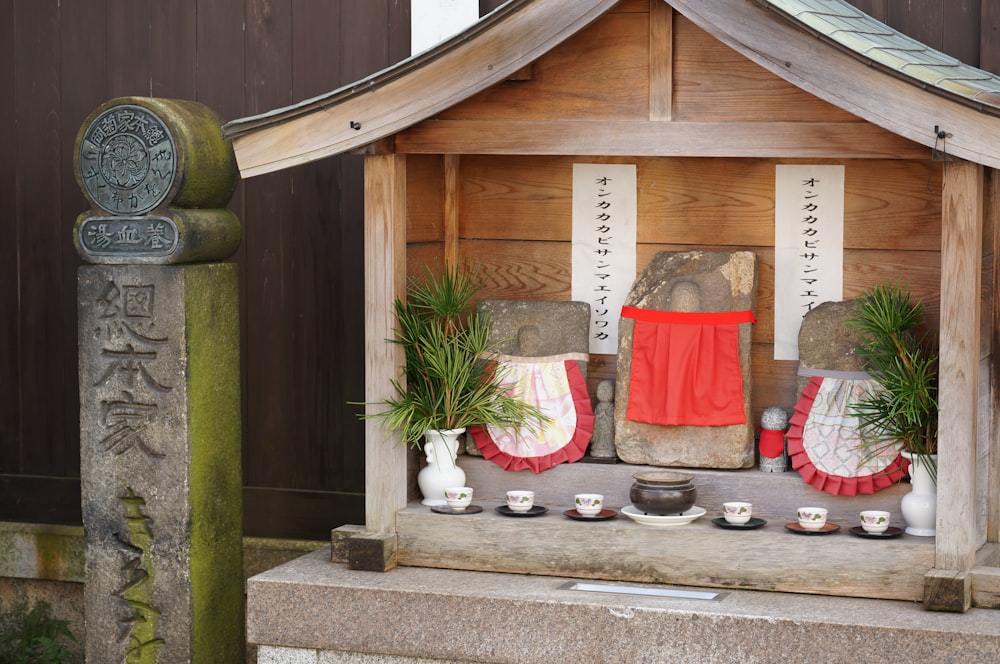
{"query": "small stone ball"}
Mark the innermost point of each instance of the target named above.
(774, 419)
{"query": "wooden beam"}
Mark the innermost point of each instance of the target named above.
(661, 60)
(814, 140)
(452, 199)
(697, 554)
(961, 270)
(385, 280)
(986, 587)
(948, 590)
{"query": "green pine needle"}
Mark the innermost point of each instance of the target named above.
(450, 381)
(905, 412)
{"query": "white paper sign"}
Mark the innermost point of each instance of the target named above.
(604, 222)
(808, 247)
(433, 21)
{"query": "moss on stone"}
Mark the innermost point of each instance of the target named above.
(58, 556)
(216, 563)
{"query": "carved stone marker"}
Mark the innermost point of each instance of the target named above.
(159, 386)
(689, 283)
(602, 446)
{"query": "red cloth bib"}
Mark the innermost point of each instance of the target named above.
(823, 442)
(567, 404)
(772, 443)
(686, 367)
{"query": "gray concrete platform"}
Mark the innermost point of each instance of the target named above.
(312, 610)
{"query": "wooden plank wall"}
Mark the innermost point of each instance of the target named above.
(516, 220)
(515, 211)
(303, 461)
(301, 255)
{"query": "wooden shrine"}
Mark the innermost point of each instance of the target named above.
(469, 149)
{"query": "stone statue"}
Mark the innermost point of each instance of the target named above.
(602, 445)
(677, 292)
(773, 448)
(536, 328)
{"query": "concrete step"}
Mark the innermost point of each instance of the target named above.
(311, 609)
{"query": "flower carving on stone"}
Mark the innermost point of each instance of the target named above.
(125, 162)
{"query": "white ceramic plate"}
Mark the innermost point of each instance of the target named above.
(632, 512)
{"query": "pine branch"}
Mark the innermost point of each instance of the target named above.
(449, 383)
(904, 412)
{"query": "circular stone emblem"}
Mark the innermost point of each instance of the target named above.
(128, 161)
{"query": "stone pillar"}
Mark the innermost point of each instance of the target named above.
(159, 385)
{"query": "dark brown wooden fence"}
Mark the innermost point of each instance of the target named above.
(965, 29)
(303, 460)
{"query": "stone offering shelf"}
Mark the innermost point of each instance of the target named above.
(697, 554)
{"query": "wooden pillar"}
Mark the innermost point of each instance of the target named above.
(385, 279)
(661, 60)
(992, 224)
(452, 201)
(948, 586)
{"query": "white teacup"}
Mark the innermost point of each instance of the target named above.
(812, 518)
(875, 521)
(458, 497)
(520, 501)
(588, 504)
(737, 512)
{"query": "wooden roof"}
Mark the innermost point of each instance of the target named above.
(826, 47)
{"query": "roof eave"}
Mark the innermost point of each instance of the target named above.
(381, 105)
(898, 103)
(771, 33)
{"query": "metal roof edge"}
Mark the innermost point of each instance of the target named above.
(885, 48)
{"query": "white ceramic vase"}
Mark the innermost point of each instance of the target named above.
(919, 506)
(441, 471)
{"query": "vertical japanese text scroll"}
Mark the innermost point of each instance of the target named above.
(604, 236)
(808, 247)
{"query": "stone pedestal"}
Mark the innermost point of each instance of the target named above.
(295, 613)
(160, 462)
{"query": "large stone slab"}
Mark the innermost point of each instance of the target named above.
(689, 281)
(296, 613)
